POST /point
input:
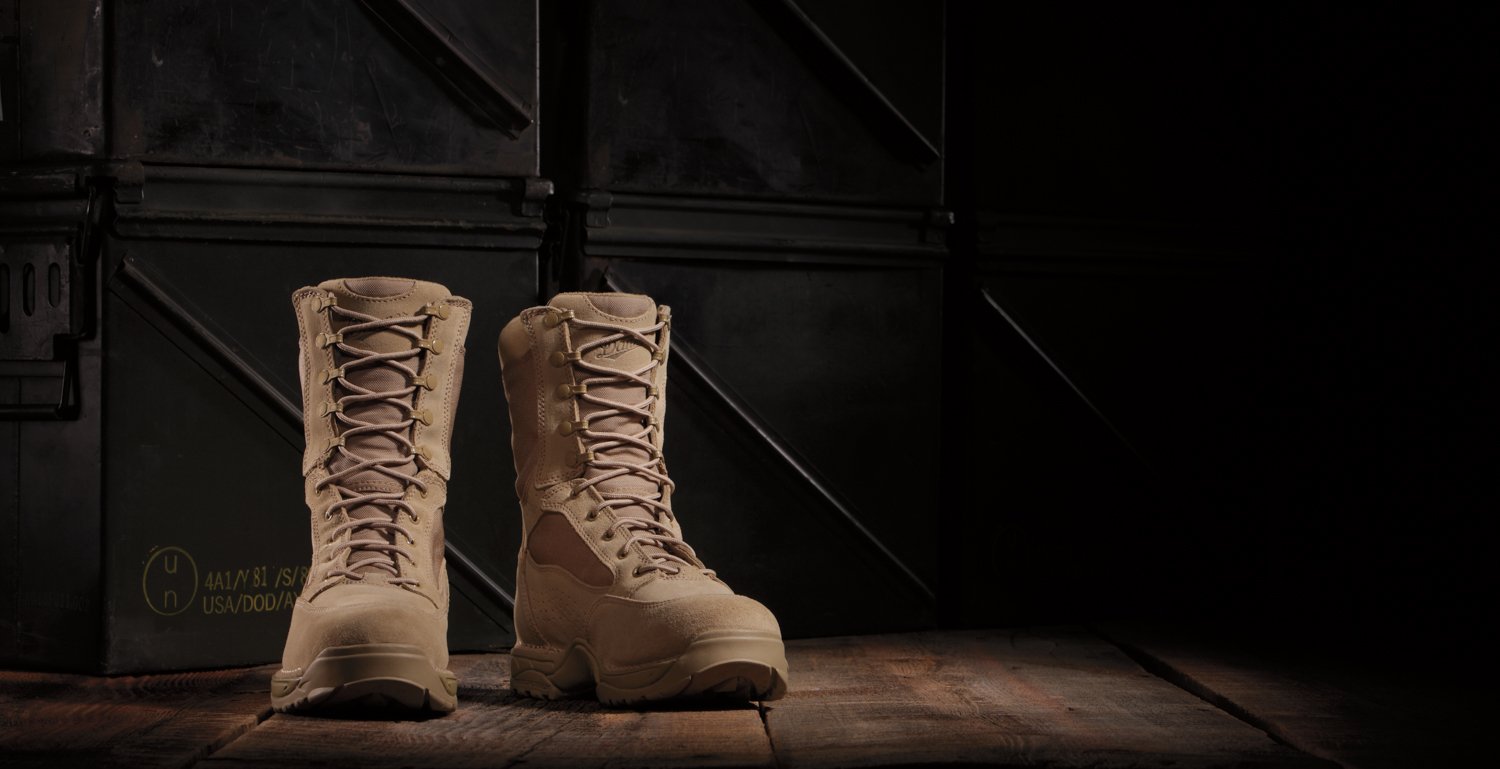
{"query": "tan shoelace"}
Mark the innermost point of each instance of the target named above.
(381, 555)
(598, 446)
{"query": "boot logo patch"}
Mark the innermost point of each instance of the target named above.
(615, 349)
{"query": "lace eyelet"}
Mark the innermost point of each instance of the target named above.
(636, 572)
(623, 553)
(609, 535)
(593, 515)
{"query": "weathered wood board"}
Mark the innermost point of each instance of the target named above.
(53, 719)
(493, 728)
(1059, 697)
(1052, 697)
(1404, 716)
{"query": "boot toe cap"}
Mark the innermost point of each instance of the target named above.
(629, 633)
(354, 617)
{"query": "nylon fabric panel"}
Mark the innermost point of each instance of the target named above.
(447, 370)
(520, 382)
(554, 542)
(315, 361)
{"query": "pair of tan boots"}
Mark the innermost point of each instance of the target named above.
(609, 598)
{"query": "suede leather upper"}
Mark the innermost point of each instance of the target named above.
(640, 616)
(333, 609)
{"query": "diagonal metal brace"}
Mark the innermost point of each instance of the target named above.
(692, 364)
(135, 283)
(844, 78)
(1003, 323)
(470, 81)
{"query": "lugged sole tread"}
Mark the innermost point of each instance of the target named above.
(369, 676)
(578, 670)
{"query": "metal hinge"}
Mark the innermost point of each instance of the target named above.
(596, 204)
(535, 196)
(935, 226)
(130, 182)
(50, 390)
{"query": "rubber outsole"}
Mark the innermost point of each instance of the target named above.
(366, 675)
(729, 664)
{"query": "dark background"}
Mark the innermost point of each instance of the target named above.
(1320, 436)
(1069, 313)
(1334, 475)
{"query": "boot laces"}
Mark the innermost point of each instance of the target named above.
(378, 553)
(601, 450)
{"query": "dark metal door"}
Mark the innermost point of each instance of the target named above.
(773, 171)
(187, 166)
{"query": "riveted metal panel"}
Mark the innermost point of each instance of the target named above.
(318, 85)
(740, 98)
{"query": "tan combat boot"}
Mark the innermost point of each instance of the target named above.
(381, 364)
(609, 597)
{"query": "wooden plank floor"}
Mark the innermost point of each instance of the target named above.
(493, 727)
(1049, 697)
(52, 719)
(1394, 717)
(1059, 697)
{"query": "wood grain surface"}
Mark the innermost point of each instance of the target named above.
(54, 720)
(494, 728)
(1406, 715)
(1058, 697)
(1051, 697)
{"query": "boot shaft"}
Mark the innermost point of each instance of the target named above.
(381, 367)
(325, 366)
(603, 571)
(585, 377)
(564, 376)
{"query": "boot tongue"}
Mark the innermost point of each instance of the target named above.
(629, 310)
(626, 354)
(381, 298)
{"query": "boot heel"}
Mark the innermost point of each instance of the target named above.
(551, 675)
